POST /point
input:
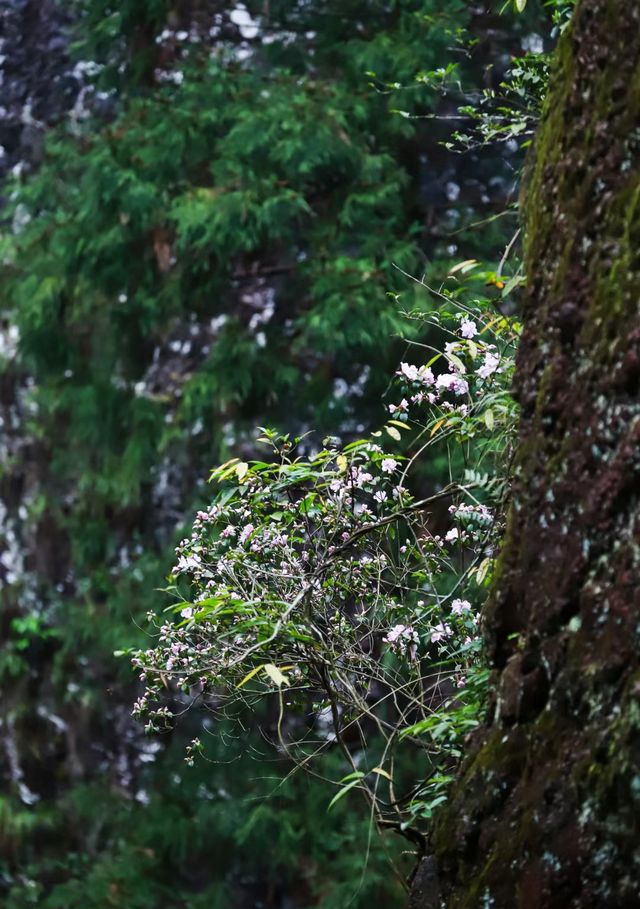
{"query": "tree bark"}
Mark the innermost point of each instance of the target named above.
(546, 810)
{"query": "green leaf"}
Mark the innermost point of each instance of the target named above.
(463, 267)
(516, 281)
(222, 468)
(436, 426)
(342, 793)
(457, 362)
(483, 568)
(250, 675)
(276, 675)
(520, 5)
(356, 775)
(393, 432)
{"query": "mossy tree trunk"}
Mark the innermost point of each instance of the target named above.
(546, 812)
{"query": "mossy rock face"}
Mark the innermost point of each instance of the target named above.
(546, 812)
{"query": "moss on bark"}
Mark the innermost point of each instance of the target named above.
(546, 811)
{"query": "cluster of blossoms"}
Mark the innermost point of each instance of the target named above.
(478, 372)
(293, 553)
(293, 565)
(296, 575)
(401, 638)
(459, 381)
(480, 512)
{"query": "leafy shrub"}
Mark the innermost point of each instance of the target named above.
(317, 575)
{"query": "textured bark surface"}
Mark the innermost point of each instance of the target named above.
(546, 812)
(37, 82)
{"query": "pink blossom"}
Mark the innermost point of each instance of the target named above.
(460, 606)
(440, 632)
(451, 381)
(426, 376)
(187, 563)
(246, 533)
(408, 371)
(452, 535)
(388, 465)
(400, 634)
(491, 363)
(398, 631)
(416, 373)
(402, 406)
(468, 328)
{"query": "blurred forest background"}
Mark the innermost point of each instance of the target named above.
(203, 207)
